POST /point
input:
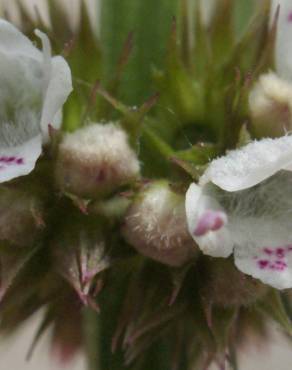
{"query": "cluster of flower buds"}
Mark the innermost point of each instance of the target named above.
(140, 202)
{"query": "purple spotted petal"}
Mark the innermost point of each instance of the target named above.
(19, 160)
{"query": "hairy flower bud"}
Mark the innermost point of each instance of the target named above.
(155, 225)
(270, 104)
(95, 160)
(20, 217)
(224, 285)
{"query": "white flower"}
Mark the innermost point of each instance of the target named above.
(33, 89)
(243, 205)
(243, 202)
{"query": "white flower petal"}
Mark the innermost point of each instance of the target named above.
(283, 49)
(258, 229)
(250, 165)
(13, 42)
(59, 87)
(269, 269)
(47, 58)
(207, 223)
(266, 254)
(19, 160)
(261, 227)
(34, 87)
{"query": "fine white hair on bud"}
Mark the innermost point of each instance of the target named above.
(95, 160)
(155, 225)
(243, 205)
(270, 103)
(34, 87)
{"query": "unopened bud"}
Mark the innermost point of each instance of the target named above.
(20, 217)
(270, 103)
(79, 256)
(155, 225)
(95, 160)
(224, 285)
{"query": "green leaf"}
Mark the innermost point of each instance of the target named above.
(199, 154)
(222, 320)
(242, 13)
(273, 307)
(91, 328)
(150, 23)
(221, 30)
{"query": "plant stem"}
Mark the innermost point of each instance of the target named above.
(91, 336)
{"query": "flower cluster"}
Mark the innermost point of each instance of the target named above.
(242, 202)
(169, 225)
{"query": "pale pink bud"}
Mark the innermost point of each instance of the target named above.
(95, 160)
(270, 103)
(156, 226)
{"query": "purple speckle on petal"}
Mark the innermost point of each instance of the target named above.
(268, 251)
(274, 261)
(280, 252)
(7, 161)
(280, 266)
(263, 264)
(281, 263)
(289, 18)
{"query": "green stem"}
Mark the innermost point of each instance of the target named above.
(91, 335)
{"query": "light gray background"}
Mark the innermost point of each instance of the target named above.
(277, 355)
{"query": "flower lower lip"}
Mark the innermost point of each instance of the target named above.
(209, 221)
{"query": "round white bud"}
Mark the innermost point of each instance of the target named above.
(155, 225)
(270, 103)
(95, 160)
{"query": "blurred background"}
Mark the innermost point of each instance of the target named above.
(276, 356)
(13, 351)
